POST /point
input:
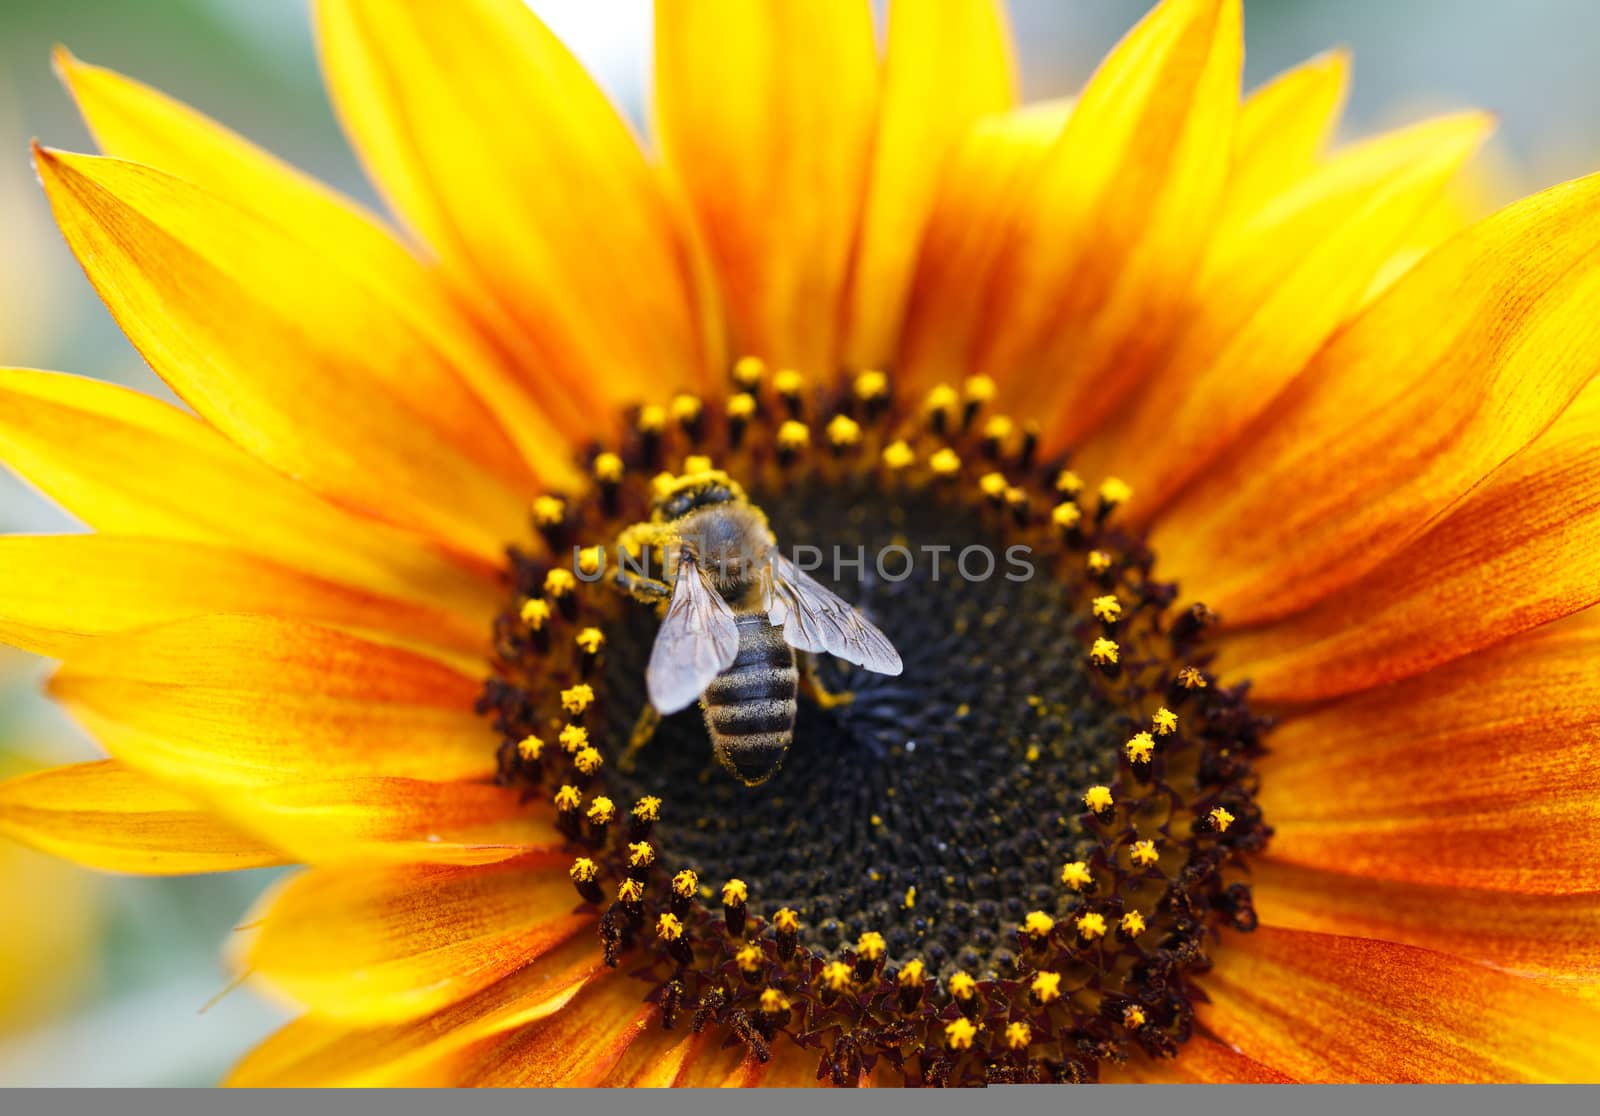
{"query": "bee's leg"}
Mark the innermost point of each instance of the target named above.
(643, 729)
(811, 683)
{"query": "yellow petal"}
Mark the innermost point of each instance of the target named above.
(1105, 248)
(232, 703)
(946, 65)
(60, 590)
(1521, 550)
(269, 338)
(1201, 1061)
(577, 1046)
(495, 146)
(382, 943)
(1392, 423)
(126, 463)
(131, 121)
(1275, 289)
(766, 115)
(1282, 129)
(103, 815)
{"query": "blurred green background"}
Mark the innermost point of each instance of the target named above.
(106, 980)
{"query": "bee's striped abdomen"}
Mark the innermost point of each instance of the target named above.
(750, 706)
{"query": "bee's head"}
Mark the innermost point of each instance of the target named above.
(679, 496)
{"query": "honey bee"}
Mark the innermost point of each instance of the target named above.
(737, 610)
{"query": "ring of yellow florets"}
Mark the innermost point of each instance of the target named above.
(1151, 879)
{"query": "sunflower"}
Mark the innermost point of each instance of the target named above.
(1241, 562)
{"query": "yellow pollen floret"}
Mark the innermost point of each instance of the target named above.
(898, 455)
(1098, 561)
(685, 885)
(742, 406)
(660, 485)
(548, 510)
(773, 1001)
(686, 408)
(1069, 483)
(911, 974)
(992, 484)
(1018, 1035)
(910, 900)
(941, 398)
(998, 428)
(1098, 798)
(574, 738)
(669, 927)
(1038, 924)
(786, 381)
(1143, 853)
(588, 760)
(590, 640)
(748, 958)
(794, 435)
(696, 463)
(1046, 987)
(734, 892)
(1075, 874)
(959, 1033)
(1221, 819)
(1066, 516)
(1133, 1018)
(962, 985)
(1190, 678)
(1164, 721)
(583, 870)
(640, 854)
(871, 945)
(568, 797)
(871, 384)
(576, 699)
(602, 810)
(748, 370)
(1140, 747)
(836, 975)
(1104, 651)
(1115, 492)
(630, 890)
(1107, 609)
(979, 389)
(652, 417)
(843, 430)
(787, 920)
(1132, 924)
(608, 468)
(647, 808)
(946, 462)
(535, 613)
(1091, 925)
(530, 748)
(559, 582)
(589, 560)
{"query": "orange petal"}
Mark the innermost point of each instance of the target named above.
(946, 65)
(1105, 248)
(578, 1046)
(1476, 774)
(132, 121)
(1278, 287)
(766, 116)
(495, 146)
(1282, 129)
(1322, 1007)
(1554, 939)
(129, 464)
(60, 590)
(1520, 551)
(1391, 423)
(304, 366)
(232, 703)
(383, 943)
(653, 1060)
(1200, 1061)
(316, 1053)
(103, 815)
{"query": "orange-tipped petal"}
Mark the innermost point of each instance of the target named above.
(60, 590)
(1392, 423)
(1554, 939)
(1477, 774)
(288, 352)
(499, 151)
(765, 113)
(363, 943)
(126, 463)
(1200, 1061)
(1282, 129)
(945, 66)
(104, 815)
(231, 703)
(1522, 550)
(1321, 1007)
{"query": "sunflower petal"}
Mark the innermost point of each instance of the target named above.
(233, 703)
(1200, 1061)
(1520, 551)
(300, 364)
(1322, 1007)
(578, 1046)
(495, 146)
(104, 815)
(60, 590)
(946, 65)
(766, 115)
(1476, 774)
(1326, 488)
(653, 1060)
(1553, 939)
(129, 464)
(131, 121)
(383, 943)
(1282, 129)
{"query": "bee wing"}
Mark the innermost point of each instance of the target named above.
(698, 640)
(813, 618)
